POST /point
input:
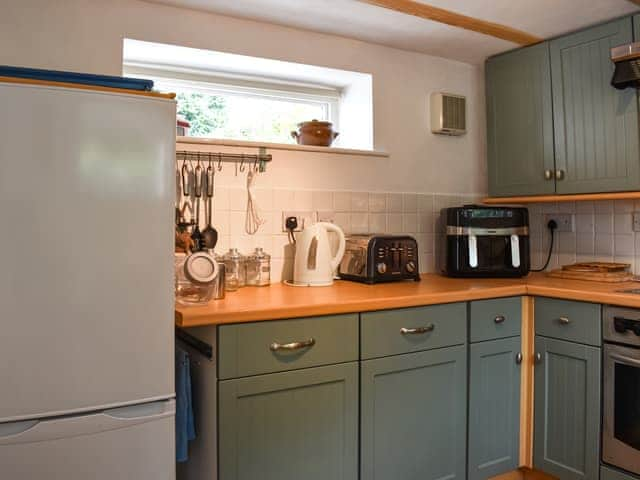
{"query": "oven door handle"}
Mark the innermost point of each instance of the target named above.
(624, 359)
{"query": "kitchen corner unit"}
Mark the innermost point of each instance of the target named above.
(495, 374)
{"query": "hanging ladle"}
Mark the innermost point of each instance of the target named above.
(199, 177)
(209, 234)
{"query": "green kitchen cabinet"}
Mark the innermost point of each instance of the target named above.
(595, 125)
(414, 416)
(567, 409)
(494, 407)
(300, 424)
(520, 122)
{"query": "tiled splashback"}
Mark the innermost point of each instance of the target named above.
(603, 232)
(355, 212)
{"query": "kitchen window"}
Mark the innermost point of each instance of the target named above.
(246, 109)
(238, 97)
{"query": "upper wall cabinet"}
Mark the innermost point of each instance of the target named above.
(554, 122)
(596, 126)
(520, 123)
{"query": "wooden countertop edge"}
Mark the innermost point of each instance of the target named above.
(613, 298)
(348, 306)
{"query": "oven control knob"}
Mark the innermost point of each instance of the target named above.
(382, 268)
(411, 266)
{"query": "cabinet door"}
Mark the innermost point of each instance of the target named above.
(519, 122)
(567, 409)
(596, 126)
(288, 426)
(494, 407)
(413, 416)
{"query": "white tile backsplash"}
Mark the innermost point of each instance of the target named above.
(359, 202)
(584, 223)
(394, 222)
(409, 223)
(322, 201)
(303, 200)
(377, 222)
(342, 201)
(622, 223)
(377, 202)
(394, 202)
(603, 229)
(604, 232)
(409, 203)
(604, 223)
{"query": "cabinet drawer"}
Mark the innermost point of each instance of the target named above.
(392, 332)
(497, 318)
(568, 320)
(266, 347)
(607, 473)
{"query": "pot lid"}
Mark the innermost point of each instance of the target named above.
(201, 267)
(315, 123)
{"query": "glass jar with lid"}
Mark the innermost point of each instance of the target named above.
(259, 268)
(195, 278)
(235, 270)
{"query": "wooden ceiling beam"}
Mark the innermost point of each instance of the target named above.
(428, 12)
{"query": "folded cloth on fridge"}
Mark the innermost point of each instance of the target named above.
(185, 429)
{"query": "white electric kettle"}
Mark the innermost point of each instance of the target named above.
(314, 264)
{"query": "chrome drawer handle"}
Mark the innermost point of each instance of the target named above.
(537, 358)
(499, 319)
(518, 358)
(288, 347)
(564, 320)
(418, 330)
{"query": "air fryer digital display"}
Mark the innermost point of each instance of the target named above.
(489, 213)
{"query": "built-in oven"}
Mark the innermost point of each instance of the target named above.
(621, 389)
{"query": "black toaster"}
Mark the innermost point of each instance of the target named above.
(380, 258)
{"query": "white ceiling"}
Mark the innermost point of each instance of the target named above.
(354, 19)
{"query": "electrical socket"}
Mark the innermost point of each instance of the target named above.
(565, 221)
(304, 219)
(636, 222)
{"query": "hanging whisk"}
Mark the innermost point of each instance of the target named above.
(253, 220)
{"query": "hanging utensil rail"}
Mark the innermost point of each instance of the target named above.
(260, 160)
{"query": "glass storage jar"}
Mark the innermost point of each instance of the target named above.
(259, 268)
(235, 270)
(195, 278)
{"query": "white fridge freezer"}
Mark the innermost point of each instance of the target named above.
(86, 282)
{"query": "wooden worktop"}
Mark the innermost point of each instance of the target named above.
(280, 301)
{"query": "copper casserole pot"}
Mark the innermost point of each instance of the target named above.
(317, 133)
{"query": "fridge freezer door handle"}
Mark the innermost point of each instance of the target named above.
(67, 427)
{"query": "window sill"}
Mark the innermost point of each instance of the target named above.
(183, 141)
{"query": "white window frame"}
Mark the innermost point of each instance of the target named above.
(216, 83)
